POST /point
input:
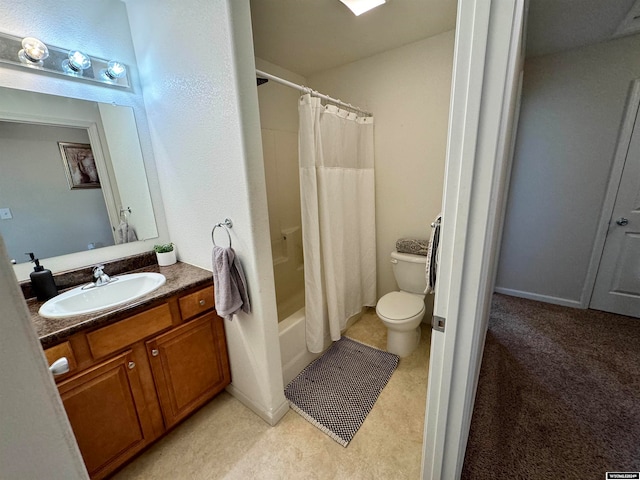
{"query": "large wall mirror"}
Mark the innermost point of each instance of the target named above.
(72, 176)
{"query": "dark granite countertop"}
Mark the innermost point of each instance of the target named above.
(180, 277)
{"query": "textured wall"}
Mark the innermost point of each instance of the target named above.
(572, 105)
(408, 91)
(203, 115)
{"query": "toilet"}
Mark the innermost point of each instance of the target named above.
(402, 311)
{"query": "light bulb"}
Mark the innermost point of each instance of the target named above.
(33, 51)
(113, 71)
(358, 7)
(76, 62)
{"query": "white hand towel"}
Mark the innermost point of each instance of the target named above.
(125, 233)
(230, 284)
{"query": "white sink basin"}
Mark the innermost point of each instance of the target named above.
(83, 300)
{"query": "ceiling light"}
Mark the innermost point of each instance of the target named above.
(358, 7)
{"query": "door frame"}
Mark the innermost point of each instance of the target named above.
(615, 177)
(484, 107)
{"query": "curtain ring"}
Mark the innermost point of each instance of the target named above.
(214, 230)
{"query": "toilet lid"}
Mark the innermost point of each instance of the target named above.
(400, 305)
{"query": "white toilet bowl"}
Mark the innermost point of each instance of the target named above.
(401, 312)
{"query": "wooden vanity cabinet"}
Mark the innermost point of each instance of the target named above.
(189, 365)
(138, 377)
(61, 351)
(105, 406)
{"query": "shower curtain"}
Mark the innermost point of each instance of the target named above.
(338, 217)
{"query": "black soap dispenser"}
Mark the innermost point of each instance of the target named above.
(42, 282)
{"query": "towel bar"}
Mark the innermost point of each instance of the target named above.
(227, 224)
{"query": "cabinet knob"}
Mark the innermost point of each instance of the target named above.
(202, 303)
(131, 365)
(60, 366)
(155, 352)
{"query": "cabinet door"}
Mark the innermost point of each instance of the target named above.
(102, 406)
(189, 365)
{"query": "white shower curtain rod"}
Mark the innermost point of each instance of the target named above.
(312, 92)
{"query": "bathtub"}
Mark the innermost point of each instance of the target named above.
(293, 344)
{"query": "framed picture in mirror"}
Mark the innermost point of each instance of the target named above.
(79, 165)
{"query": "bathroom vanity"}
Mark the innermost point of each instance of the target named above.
(138, 370)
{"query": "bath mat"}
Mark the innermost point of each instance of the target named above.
(337, 391)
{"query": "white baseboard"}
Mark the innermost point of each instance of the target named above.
(565, 302)
(272, 417)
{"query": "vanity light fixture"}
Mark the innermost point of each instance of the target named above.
(45, 59)
(358, 7)
(76, 63)
(113, 71)
(33, 52)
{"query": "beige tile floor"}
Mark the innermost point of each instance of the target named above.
(225, 440)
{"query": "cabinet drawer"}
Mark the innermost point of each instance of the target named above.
(196, 303)
(126, 332)
(59, 351)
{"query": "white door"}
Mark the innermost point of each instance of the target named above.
(617, 287)
(487, 66)
(32, 412)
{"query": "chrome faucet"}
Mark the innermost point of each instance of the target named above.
(101, 277)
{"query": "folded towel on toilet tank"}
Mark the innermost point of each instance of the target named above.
(416, 246)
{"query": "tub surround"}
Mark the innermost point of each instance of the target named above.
(180, 278)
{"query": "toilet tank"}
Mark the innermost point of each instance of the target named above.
(409, 271)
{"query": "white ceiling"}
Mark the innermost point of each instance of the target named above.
(307, 36)
(557, 25)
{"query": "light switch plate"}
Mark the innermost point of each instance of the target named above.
(5, 214)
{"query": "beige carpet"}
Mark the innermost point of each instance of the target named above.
(558, 395)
